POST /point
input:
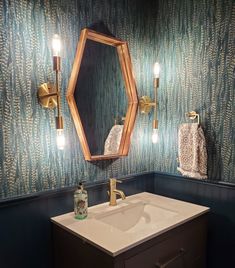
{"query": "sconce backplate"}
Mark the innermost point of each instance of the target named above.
(145, 104)
(47, 95)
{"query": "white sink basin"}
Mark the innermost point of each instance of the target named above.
(135, 217)
(134, 220)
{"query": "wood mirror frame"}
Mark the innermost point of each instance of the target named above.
(130, 89)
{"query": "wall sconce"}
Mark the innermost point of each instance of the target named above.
(49, 95)
(146, 104)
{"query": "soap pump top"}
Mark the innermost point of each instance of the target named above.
(81, 186)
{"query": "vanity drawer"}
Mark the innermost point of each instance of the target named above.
(181, 249)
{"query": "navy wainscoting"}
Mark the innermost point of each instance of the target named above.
(221, 199)
(25, 229)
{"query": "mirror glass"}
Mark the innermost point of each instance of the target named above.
(101, 98)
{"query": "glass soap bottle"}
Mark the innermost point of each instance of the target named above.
(80, 202)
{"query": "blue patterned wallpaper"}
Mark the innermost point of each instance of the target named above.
(193, 41)
(100, 93)
(196, 48)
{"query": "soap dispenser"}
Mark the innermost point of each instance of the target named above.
(80, 202)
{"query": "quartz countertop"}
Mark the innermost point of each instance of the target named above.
(136, 219)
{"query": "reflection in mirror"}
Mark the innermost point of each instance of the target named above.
(101, 98)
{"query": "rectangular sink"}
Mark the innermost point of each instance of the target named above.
(134, 220)
(136, 217)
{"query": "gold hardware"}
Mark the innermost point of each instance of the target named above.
(59, 122)
(47, 95)
(156, 82)
(156, 85)
(146, 104)
(155, 123)
(56, 63)
(113, 192)
(193, 115)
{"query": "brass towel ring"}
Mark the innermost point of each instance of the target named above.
(193, 115)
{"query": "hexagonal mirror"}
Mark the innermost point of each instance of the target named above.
(102, 96)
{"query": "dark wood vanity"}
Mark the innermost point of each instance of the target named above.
(181, 247)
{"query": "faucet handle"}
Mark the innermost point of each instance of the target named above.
(118, 181)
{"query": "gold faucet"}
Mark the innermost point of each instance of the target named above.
(113, 192)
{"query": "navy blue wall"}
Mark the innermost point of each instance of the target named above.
(221, 199)
(25, 229)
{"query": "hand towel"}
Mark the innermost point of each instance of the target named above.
(113, 140)
(192, 151)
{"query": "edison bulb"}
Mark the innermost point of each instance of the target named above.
(60, 139)
(155, 135)
(156, 70)
(56, 45)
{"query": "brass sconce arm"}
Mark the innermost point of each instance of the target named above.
(146, 104)
(156, 85)
(49, 95)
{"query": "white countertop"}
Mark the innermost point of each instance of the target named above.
(134, 220)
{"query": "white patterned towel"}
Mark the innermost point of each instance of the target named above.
(113, 140)
(192, 151)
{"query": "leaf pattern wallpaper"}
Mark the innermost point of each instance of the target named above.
(194, 41)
